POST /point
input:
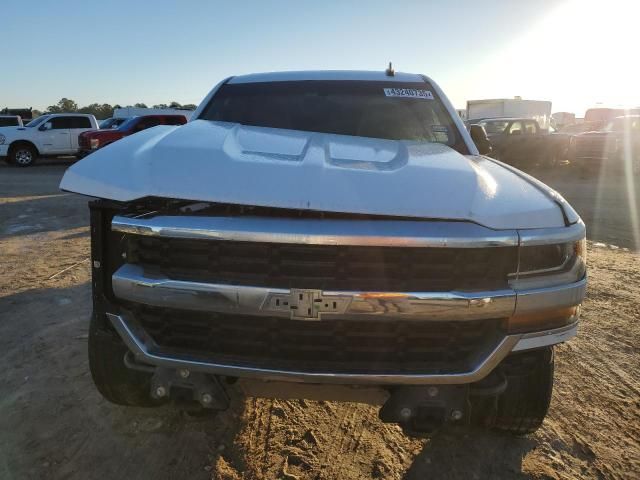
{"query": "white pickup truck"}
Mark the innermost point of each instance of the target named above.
(48, 135)
(329, 235)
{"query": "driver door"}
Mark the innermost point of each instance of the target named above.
(56, 137)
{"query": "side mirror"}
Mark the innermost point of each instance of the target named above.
(45, 126)
(479, 137)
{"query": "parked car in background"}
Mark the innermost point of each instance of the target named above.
(129, 112)
(26, 114)
(600, 117)
(93, 140)
(112, 122)
(480, 139)
(559, 120)
(539, 110)
(48, 135)
(522, 143)
(617, 143)
(576, 128)
(328, 235)
(10, 121)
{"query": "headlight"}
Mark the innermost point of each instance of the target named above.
(94, 143)
(2, 139)
(550, 265)
(543, 266)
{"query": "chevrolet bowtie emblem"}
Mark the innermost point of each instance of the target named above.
(306, 304)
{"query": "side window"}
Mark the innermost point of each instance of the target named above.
(80, 122)
(530, 128)
(515, 128)
(59, 123)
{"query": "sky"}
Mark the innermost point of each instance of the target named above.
(576, 53)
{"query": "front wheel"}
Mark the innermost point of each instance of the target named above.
(522, 407)
(22, 155)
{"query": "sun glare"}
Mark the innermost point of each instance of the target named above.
(581, 54)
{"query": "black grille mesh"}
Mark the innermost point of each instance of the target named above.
(368, 346)
(325, 267)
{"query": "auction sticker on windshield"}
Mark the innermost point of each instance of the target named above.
(408, 93)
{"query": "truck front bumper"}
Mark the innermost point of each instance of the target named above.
(131, 284)
(173, 321)
(142, 347)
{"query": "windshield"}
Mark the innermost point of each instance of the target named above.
(495, 127)
(37, 121)
(388, 110)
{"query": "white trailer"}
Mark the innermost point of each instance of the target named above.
(539, 110)
(128, 112)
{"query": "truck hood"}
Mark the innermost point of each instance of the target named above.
(12, 131)
(231, 163)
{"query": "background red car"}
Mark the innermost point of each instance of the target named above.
(95, 139)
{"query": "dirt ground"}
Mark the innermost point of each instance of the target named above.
(55, 425)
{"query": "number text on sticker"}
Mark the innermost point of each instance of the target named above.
(408, 93)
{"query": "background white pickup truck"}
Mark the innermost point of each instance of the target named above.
(48, 135)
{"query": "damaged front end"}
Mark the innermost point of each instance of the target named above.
(431, 319)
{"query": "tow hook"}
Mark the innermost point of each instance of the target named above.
(423, 410)
(183, 384)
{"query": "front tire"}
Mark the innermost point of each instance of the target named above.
(113, 379)
(23, 155)
(522, 407)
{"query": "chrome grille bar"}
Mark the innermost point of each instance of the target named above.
(382, 233)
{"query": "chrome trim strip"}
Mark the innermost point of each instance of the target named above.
(131, 282)
(546, 338)
(381, 233)
(548, 236)
(142, 347)
(560, 296)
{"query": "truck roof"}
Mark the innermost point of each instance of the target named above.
(75, 114)
(373, 75)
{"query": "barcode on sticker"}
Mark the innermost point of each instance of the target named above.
(408, 93)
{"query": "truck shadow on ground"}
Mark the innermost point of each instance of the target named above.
(471, 453)
(20, 217)
(55, 424)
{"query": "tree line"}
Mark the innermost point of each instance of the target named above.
(101, 111)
